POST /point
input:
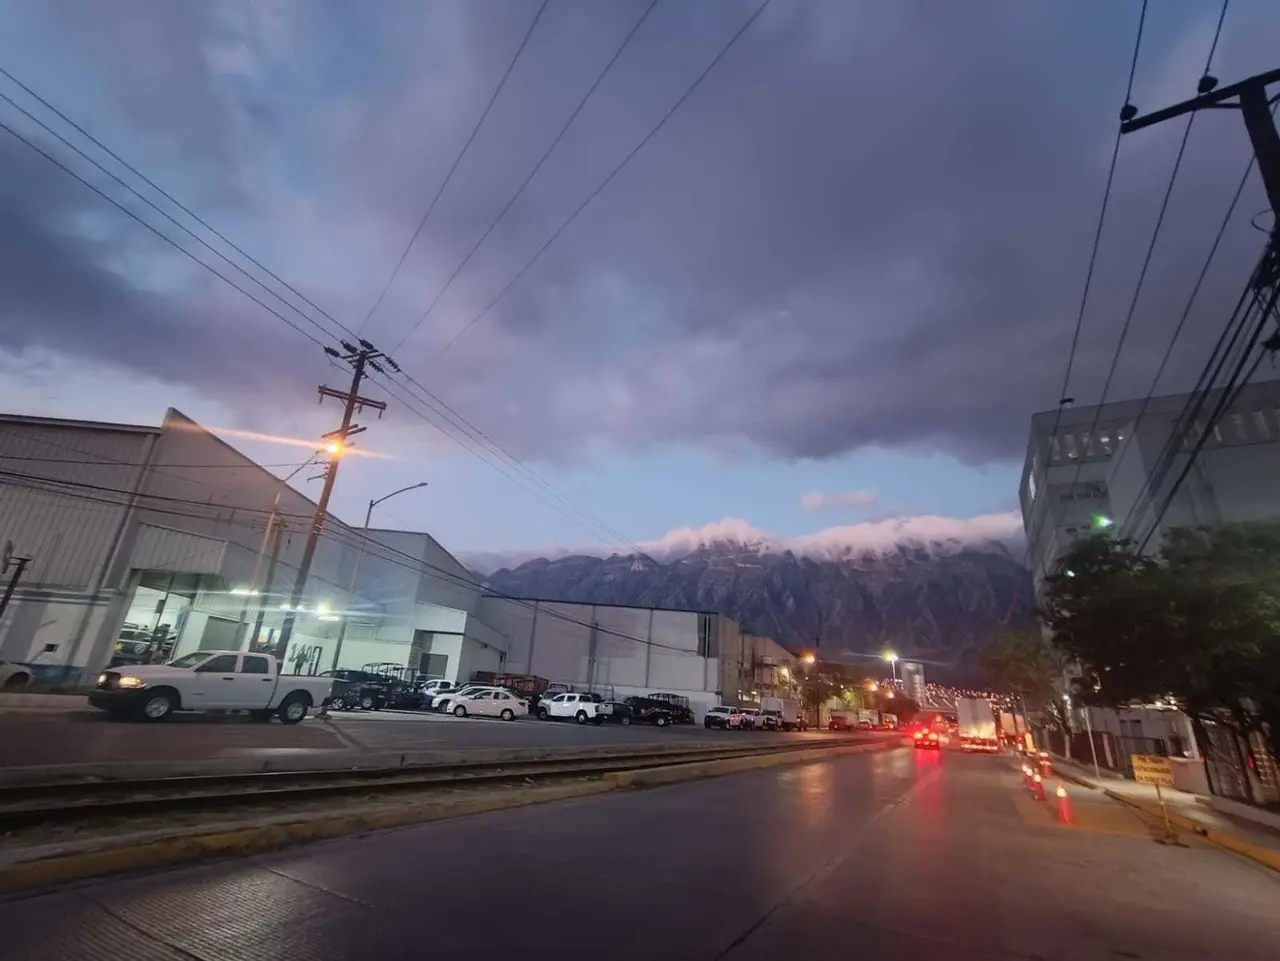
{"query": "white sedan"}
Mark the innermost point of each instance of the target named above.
(489, 703)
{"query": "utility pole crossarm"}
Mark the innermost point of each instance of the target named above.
(1255, 107)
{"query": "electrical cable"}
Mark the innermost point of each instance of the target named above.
(529, 179)
(1089, 438)
(456, 161)
(603, 184)
(1229, 395)
(1186, 313)
(462, 423)
(344, 536)
(1093, 254)
(164, 193)
(167, 239)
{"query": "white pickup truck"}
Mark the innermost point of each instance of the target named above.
(209, 681)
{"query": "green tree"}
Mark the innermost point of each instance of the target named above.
(1024, 663)
(1197, 623)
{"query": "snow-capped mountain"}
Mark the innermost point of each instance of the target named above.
(927, 592)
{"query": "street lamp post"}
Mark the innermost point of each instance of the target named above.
(355, 568)
(892, 658)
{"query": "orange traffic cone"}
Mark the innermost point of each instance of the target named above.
(1037, 787)
(1064, 805)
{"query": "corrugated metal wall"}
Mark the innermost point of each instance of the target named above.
(63, 495)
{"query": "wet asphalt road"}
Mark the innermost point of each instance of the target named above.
(899, 856)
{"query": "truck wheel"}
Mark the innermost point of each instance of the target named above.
(581, 717)
(366, 702)
(660, 720)
(459, 711)
(507, 714)
(157, 705)
(543, 715)
(626, 721)
(294, 708)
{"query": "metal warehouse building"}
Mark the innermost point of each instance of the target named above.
(149, 542)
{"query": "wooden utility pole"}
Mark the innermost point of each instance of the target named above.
(361, 359)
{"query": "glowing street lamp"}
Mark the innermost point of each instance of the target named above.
(809, 659)
(892, 658)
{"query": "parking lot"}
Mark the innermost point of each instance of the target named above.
(81, 735)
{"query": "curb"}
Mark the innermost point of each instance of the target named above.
(270, 836)
(1254, 852)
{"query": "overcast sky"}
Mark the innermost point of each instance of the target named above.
(831, 289)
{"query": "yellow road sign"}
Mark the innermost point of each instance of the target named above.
(1152, 769)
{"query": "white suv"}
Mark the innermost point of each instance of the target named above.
(580, 707)
(724, 716)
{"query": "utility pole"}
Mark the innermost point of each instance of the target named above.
(1251, 100)
(19, 565)
(360, 359)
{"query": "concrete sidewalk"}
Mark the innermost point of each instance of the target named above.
(19, 703)
(1186, 813)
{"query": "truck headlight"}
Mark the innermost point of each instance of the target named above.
(132, 683)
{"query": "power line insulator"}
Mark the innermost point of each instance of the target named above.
(1128, 112)
(1206, 84)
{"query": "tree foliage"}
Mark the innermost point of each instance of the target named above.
(1024, 663)
(1196, 623)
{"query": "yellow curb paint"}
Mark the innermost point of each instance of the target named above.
(258, 839)
(1264, 856)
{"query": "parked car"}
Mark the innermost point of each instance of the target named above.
(432, 689)
(616, 712)
(752, 719)
(780, 714)
(678, 705)
(444, 703)
(207, 681)
(354, 690)
(723, 716)
(648, 710)
(580, 707)
(489, 703)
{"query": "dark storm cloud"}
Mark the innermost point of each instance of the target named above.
(86, 298)
(868, 226)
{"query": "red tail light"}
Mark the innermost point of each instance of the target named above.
(919, 734)
(933, 737)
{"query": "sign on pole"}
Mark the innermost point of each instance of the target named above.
(1152, 769)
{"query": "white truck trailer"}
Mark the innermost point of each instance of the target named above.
(977, 722)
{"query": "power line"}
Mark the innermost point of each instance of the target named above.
(1229, 394)
(607, 180)
(168, 240)
(160, 190)
(1182, 321)
(475, 447)
(456, 161)
(344, 537)
(529, 179)
(1126, 110)
(461, 422)
(1090, 437)
(1191, 410)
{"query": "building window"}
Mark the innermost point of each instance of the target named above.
(1031, 484)
(705, 642)
(1237, 423)
(1055, 450)
(1069, 442)
(1260, 425)
(1104, 442)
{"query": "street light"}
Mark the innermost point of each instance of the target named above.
(809, 659)
(892, 658)
(355, 568)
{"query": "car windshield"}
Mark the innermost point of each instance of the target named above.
(190, 660)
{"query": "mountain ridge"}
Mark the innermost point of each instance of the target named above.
(933, 601)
